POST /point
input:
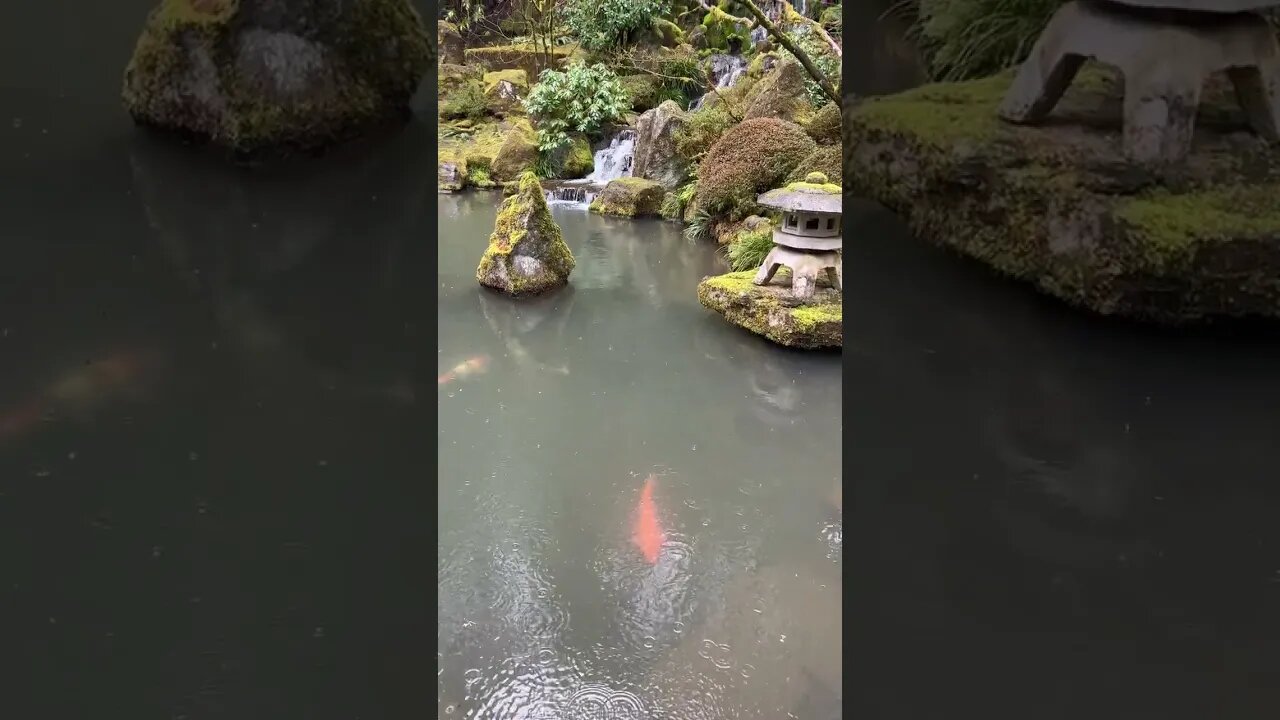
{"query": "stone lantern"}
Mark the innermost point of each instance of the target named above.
(808, 240)
(1165, 49)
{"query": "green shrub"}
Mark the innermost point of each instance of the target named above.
(702, 131)
(964, 39)
(605, 24)
(466, 100)
(581, 99)
(752, 157)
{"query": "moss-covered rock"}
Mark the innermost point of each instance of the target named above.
(832, 19)
(781, 94)
(643, 91)
(824, 126)
(666, 33)
(630, 197)
(772, 312)
(750, 158)
(517, 153)
(825, 159)
(518, 57)
(505, 91)
(450, 43)
(527, 254)
(656, 156)
(251, 75)
(723, 31)
(1054, 205)
(451, 174)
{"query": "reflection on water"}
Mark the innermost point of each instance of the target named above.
(548, 605)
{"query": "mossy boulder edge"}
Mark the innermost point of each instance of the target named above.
(249, 76)
(1054, 205)
(771, 312)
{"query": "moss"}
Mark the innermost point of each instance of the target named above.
(824, 125)
(1174, 226)
(630, 197)
(643, 91)
(832, 19)
(517, 153)
(185, 44)
(522, 56)
(518, 78)
(578, 160)
(771, 313)
(524, 226)
(751, 158)
(720, 29)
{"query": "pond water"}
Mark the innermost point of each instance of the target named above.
(547, 606)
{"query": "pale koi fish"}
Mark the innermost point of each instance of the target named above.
(466, 368)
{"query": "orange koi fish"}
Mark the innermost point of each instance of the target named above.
(466, 368)
(648, 535)
(81, 390)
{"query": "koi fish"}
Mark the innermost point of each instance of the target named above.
(79, 391)
(464, 369)
(647, 534)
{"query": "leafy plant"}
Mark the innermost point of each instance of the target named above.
(817, 50)
(581, 98)
(748, 249)
(965, 39)
(606, 24)
(699, 227)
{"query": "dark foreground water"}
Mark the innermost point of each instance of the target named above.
(548, 609)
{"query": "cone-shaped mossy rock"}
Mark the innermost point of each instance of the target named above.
(527, 254)
(257, 74)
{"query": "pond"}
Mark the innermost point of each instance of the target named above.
(548, 606)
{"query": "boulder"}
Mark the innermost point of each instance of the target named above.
(527, 254)
(256, 74)
(630, 197)
(575, 160)
(505, 91)
(1056, 206)
(655, 156)
(450, 43)
(748, 159)
(517, 57)
(517, 153)
(824, 126)
(771, 311)
(643, 91)
(781, 94)
(451, 174)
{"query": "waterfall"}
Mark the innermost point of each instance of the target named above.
(611, 162)
(614, 161)
(725, 71)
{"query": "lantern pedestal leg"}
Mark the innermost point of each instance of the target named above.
(768, 268)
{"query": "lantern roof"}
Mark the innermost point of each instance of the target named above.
(813, 195)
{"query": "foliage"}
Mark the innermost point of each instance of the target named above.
(464, 101)
(702, 131)
(581, 98)
(699, 227)
(607, 24)
(965, 39)
(748, 249)
(752, 157)
(826, 61)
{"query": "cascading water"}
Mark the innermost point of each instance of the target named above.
(614, 161)
(725, 71)
(611, 162)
